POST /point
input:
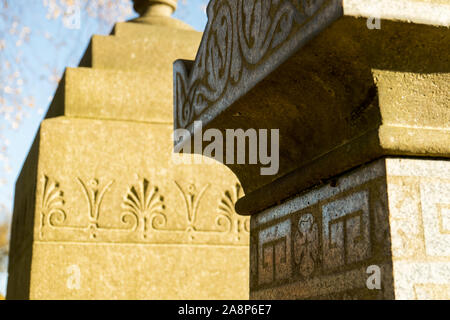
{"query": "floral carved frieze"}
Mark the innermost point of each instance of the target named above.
(243, 42)
(143, 215)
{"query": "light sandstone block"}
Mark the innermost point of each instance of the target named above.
(393, 214)
(118, 95)
(143, 29)
(154, 51)
(101, 209)
(126, 76)
(113, 217)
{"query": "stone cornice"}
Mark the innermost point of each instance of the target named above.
(244, 41)
(340, 92)
(236, 53)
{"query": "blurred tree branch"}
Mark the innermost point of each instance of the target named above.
(35, 46)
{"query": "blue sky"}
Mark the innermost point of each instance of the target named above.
(35, 65)
(44, 60)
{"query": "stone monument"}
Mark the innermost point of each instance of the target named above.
(359, 91)
(102, 210)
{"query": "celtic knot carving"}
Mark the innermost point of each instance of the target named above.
(239, 39)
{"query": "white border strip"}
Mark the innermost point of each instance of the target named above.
(425, 168)
(406, 10)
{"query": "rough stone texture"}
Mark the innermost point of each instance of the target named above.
(340, 93)
(135, 224)
(153, 51)
(106, 94)
(393, 213)
(102, 210)
(118, 71)
(129, 190)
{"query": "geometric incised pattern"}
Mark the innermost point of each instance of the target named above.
(330, 237)
(419, 218)
(346, 230)
(436, 217)
(444, 218)
(143, 216)
(432, 292)
(274, 253)
(393, 214)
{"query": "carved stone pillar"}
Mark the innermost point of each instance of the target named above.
(102, 210)
(359, 91)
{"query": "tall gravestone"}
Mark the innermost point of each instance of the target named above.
(359, 91)
(102, 209)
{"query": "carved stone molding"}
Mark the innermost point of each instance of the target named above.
(391, 214)
(144, 216)
(243, 42)
(340, 93)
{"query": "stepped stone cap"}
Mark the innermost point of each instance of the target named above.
(158, 12)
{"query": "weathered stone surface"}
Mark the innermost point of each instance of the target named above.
(119, 70)
(129, 190)
(130, 204)
(102, 210)
(153, 51)
(118, 95)
(148, 272)
(340, 93)
(392, 213)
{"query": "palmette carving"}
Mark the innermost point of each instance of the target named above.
(54, 216)
(237, 224)
(52, 204)
(145, 206)
(239, 39)
(143, 217)
(226, 222)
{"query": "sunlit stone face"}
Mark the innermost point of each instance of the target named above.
(390, 216)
